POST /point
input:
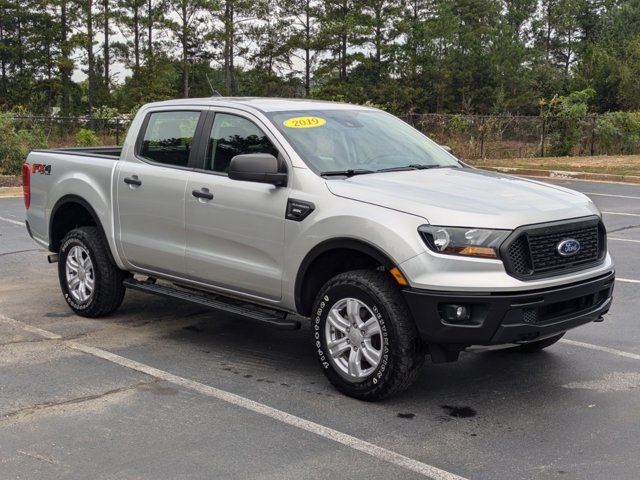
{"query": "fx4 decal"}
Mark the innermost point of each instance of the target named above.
(41, 168)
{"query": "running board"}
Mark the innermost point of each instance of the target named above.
(217, 302)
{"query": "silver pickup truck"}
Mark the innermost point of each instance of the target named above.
(278, 210)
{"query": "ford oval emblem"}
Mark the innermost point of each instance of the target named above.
(568, 247)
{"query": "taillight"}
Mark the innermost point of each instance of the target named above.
(26, 184)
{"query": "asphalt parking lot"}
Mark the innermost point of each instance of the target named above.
(167, 390)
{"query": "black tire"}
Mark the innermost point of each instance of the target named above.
(108, 291)
(403, 351)
(538, 346)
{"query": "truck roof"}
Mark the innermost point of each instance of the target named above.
(263, 104)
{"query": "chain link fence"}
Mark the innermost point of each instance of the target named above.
(75, 131)
(511, 136)
(470, 136)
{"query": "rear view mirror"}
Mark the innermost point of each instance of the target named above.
(257, 167)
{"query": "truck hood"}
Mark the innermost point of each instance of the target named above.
(466, 197)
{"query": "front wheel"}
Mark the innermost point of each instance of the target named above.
(364, 336)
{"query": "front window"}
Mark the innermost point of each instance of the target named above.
(232, 135)
(358, 140)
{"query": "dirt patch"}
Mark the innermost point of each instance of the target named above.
(10, 181)
(616, 165)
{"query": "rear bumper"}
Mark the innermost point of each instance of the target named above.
(514, 317)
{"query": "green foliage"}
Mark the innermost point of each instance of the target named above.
(565, 117)
(86, 137)
(16, 143)
(619, 132)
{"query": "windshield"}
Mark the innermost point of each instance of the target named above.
(358, 140)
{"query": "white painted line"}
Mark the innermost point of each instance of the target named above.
(623, 239)
(350, 441)
(29, 328)
(600, 348)
(627, 280)
(609, 195)
(11, 220)
(625, 214)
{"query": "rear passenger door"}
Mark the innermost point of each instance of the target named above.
(151, 192)
(235, 234)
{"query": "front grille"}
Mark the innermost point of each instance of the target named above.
(532, 251)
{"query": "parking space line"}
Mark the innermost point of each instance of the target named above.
(623, 239)
(627, 280)
(11, 220)
(610, 195)
(347, 440)
(623, 213)
(600, 348)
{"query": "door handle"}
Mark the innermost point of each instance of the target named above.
(133, 181)
(203, 193)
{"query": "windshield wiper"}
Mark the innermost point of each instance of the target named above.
(413, 166)
(346, 173)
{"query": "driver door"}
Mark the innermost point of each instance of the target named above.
(235, 229)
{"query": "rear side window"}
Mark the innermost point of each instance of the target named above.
(168, 137)
(232, 135)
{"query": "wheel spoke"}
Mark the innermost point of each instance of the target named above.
(74, 282)
(371, 327)
(86, 262)
(355, 369)
(337, 321)
(72, 260)
(89, 282)
(338, 347)
(371, 355)
(353, 311)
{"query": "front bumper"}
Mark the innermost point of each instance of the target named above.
(513, 317)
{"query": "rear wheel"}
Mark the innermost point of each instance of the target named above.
(364, 336)
(90, 281)
(539, 345)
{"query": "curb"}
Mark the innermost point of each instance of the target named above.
(563, 175)
(10, 192)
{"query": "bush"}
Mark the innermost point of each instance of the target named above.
(565, 119)
(15, 144)
(86, 138)
(619, 132)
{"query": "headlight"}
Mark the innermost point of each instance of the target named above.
(471, 242)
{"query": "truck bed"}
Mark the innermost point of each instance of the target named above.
(112, 152)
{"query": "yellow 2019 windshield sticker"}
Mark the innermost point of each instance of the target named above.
(304, 122)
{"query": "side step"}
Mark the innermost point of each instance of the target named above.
(217, 302)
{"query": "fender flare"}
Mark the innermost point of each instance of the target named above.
(361, 246)
(66, 199)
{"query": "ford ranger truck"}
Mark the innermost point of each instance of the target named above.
(282, 210)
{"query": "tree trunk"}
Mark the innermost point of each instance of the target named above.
(65, 52)
(105, 46)
(307, 50)
(185, 60)
(150, 29)
(3, 63)
(89, 47)
(229, 30)
(136, 38)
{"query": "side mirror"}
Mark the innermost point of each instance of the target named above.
(257, 167)
(447, 149)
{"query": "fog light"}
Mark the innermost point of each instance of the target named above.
(452, 313)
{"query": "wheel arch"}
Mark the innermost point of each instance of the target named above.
(330, 258)
(85, 215)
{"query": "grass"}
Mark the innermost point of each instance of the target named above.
(616, 165)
